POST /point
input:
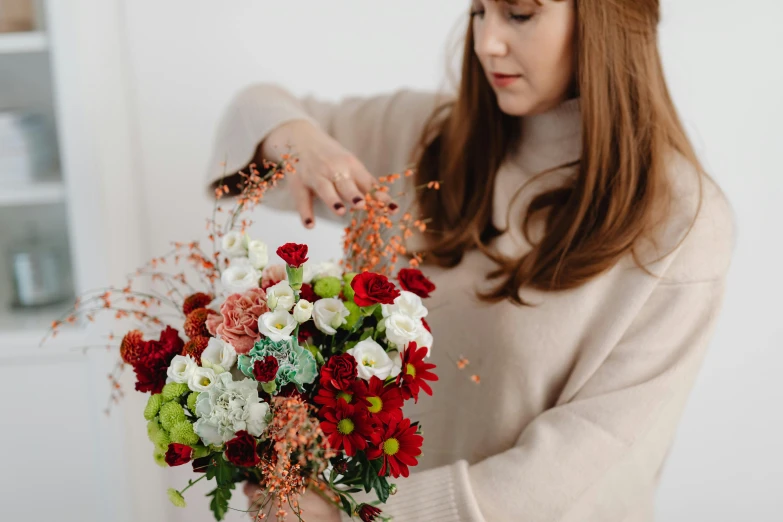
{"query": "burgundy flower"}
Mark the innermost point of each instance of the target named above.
(371, 288)
(339, 372)
(237, 323)
(266, 370)
(241, 450)
(154, 360)
(293, 254)
(306, 292)
(368, 513)
(412, 280)
(178, 454)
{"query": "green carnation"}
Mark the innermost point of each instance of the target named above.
(152, 429)
(153, 406)
(160, 458)
(182, 433)
(176, 498)
(192, 402)
(161, 441)
(174, 390)
(170, 414)
(295, 364)
(327, 287)
(353, 317)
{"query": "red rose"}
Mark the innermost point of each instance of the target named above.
(412, 280)
(266, 370)
(370, 288)
(293, 254)
(339, 373)
(241, 450)
(178, 454)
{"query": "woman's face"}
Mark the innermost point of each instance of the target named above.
(527, 51)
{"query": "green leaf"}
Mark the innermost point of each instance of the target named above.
(219, 503)
(346, 505)
(382, 489)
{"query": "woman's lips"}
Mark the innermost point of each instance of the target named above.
(504, 80)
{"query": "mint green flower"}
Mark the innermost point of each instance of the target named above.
(176, 498)
(160, 458)
(170, 414)
(348, 293)
(152, 429)
(348, 277)
(327, 287)
(161, 441)
(192, 402)
(295, 364)
(153, 406)
(182, 433)
(353, 317)
(174, 390)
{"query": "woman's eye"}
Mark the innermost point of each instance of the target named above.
(477, 13)
(520, 18)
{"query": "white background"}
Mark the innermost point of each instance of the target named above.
(185, 58)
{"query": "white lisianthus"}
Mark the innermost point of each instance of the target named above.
(235, 244)
(424, 339)
(202, 379)
(372, 360)
(181, 368)
(258, 253)
(303, 311)
(228, 407)
(280, 296)
(240, 276)
(218, 353)
(402, 329)
(314, 271)
(329, 315)
(277, 325)
(407, 303)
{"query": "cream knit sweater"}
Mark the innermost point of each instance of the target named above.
(580, 396)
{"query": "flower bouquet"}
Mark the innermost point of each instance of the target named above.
(291, 375)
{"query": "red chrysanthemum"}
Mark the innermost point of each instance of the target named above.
(379, 401)
(368, 513)
(178, 454)
(415, 372)
(197, 300)
(196, 323)
(346, 427)
(370, 288)
(328, 396)
(413, 280)
(398, 445)
(266, 370)
(307, 292)
(293, 254)
(131, 347)
(195, 347)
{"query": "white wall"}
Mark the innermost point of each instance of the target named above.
(187, 57)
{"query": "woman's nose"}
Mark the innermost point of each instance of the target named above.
(490, 38)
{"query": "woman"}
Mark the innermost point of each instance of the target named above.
(579, 251)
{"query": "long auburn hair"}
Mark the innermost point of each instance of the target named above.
(630, 127)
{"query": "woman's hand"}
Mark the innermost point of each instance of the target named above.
(325, 170)
(314, 507)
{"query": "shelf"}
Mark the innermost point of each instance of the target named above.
(29, 42)
(32, 194)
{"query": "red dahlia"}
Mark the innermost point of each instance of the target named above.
(379, 401)
(196, 323)
(398, 445)
(197, 300)
(346, 427)
(415, 372)
(195, 347)
(293, 254)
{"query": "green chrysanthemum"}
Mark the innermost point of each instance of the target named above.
(161, 441)
(170, 414)
(160, 458)
(153, 428)
(174, 390)
(348, 293)
(192, 402)
(176, 498)
(348, 277)
(153, 406)
(182, 433)
(327, 287)
(353, 317)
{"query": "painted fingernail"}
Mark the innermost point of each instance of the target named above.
(357, 199)
(308, 222)
(392, 206)
(339, 206)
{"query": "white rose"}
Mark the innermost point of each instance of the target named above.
(372, 360)
(407, 303)
(280, 296)
(317, 270)
(235, 244)
(240, 277)
(228, 407)
(202, 379)
(329, 314)
(258, 254)
(303, 311)
(277, 325)
(401, 329)
(181, 368)
(218, 353)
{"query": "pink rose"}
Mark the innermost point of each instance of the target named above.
(272, 275)
(237, 323)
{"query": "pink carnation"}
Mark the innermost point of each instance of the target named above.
(272, 275)
(237, 323)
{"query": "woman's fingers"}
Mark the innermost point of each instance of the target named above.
(366, 182)
(326, 190)
(303, 197)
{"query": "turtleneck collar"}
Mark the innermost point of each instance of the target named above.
(556, 134)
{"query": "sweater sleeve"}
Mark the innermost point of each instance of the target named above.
(381, 131)
(596, 455)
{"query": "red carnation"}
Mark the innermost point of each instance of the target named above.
(197, 300)
(346, 427)
(398, 445)
(241, 450)
(265, 370)
(415, 372)
(156, 356)
(307, 292)
(412, 280)
(178, 454)
(368, 513)
(379, 401)
(371, 288)
(196, 322)
(339, 372)
(131, 347)
(293, 254)
(195, 347)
